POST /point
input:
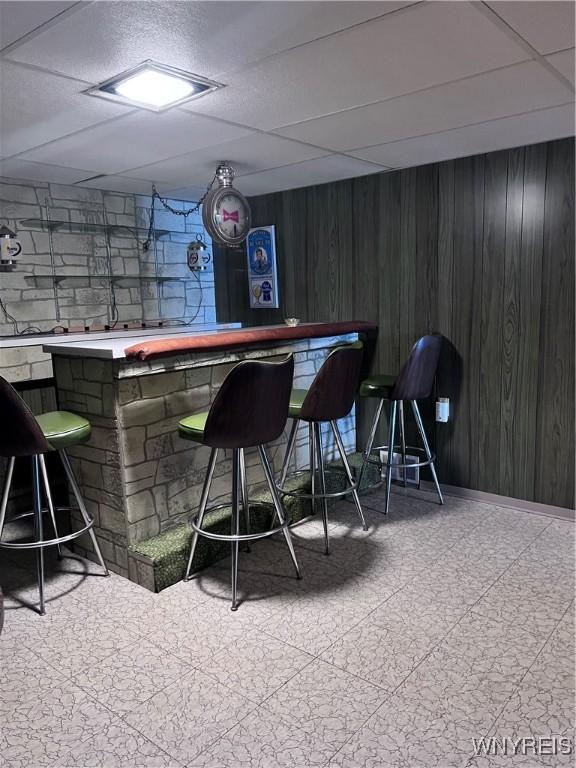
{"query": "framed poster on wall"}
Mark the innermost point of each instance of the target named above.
(262, 273)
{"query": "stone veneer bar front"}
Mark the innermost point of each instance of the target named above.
(138, 477)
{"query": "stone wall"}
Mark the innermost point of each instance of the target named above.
(24, 363)
(100, 233)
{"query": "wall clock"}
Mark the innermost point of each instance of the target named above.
(225, 211)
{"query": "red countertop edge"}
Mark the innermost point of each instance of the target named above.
(243, 337)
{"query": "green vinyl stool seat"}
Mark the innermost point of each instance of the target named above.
(63, 429)
(379, 386)
(192, 427)
(296, 399)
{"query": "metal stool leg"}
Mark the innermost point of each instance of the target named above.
(402, 440)
(245, 499)
(38, 531)
(370, 443)
(322, 479)
(49, 501)
(348, 471)
(235, 524)
(391, 436)
(6, 491)
(289, 451)
(420, 424)
(313, 465)
(202, 509)
(83, 511)
(278, 505)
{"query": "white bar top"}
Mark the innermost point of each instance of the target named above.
(40, 339)
(111, 344)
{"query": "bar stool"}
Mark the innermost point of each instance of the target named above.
(24, 434)
(249, 410)
(330, 397)
(414, 382)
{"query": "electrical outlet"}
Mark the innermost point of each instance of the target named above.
(442, 409)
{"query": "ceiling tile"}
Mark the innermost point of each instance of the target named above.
(118, 184)
(137, 139)
(547, 25)
(319, 171)
(18, 19)
(418, 47)
(532, 128)
(564, 63)
(208, 38)
(22, 169)
(520, 88)
(36, 107)
(256, 152)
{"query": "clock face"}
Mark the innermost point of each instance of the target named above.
(227, 216)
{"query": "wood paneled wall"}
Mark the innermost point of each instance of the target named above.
(480, 249)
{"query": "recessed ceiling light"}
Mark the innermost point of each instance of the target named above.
(154, 86)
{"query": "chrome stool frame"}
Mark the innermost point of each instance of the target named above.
(40, 543)
(414, 382)
(240, 499)
(397, 409)
(316, 452)
(248, 411)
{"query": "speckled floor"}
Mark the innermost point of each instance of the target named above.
(437, 626)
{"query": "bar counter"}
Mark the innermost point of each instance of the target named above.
(139, 478)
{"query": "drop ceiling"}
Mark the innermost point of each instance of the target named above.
(315, 91)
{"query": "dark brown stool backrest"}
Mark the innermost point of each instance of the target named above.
(251, 407)
(332, 393)
(20, 433)
(416, 379)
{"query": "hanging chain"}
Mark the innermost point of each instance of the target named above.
(156, 196)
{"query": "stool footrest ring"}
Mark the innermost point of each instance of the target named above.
(401, 465)
(44, 511)
(298, 494)
(48, 542)
(240, 536)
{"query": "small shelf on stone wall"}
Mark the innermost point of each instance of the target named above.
(89, 228)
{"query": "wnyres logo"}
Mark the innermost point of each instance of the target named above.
(524, 745)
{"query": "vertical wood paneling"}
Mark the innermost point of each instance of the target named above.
(407, 259)
(522, 295)
(448, 372)
(511, 325)
(386, 269)
(295, 253)
(340, 261)
(523, 451)
(426, 262)
(466, 312)
(555, 418)
(480, 249)
(493, 265)
(365, 247)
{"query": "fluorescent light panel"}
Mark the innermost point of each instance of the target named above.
(153, 86)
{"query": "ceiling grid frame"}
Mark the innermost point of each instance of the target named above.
(323, 162)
